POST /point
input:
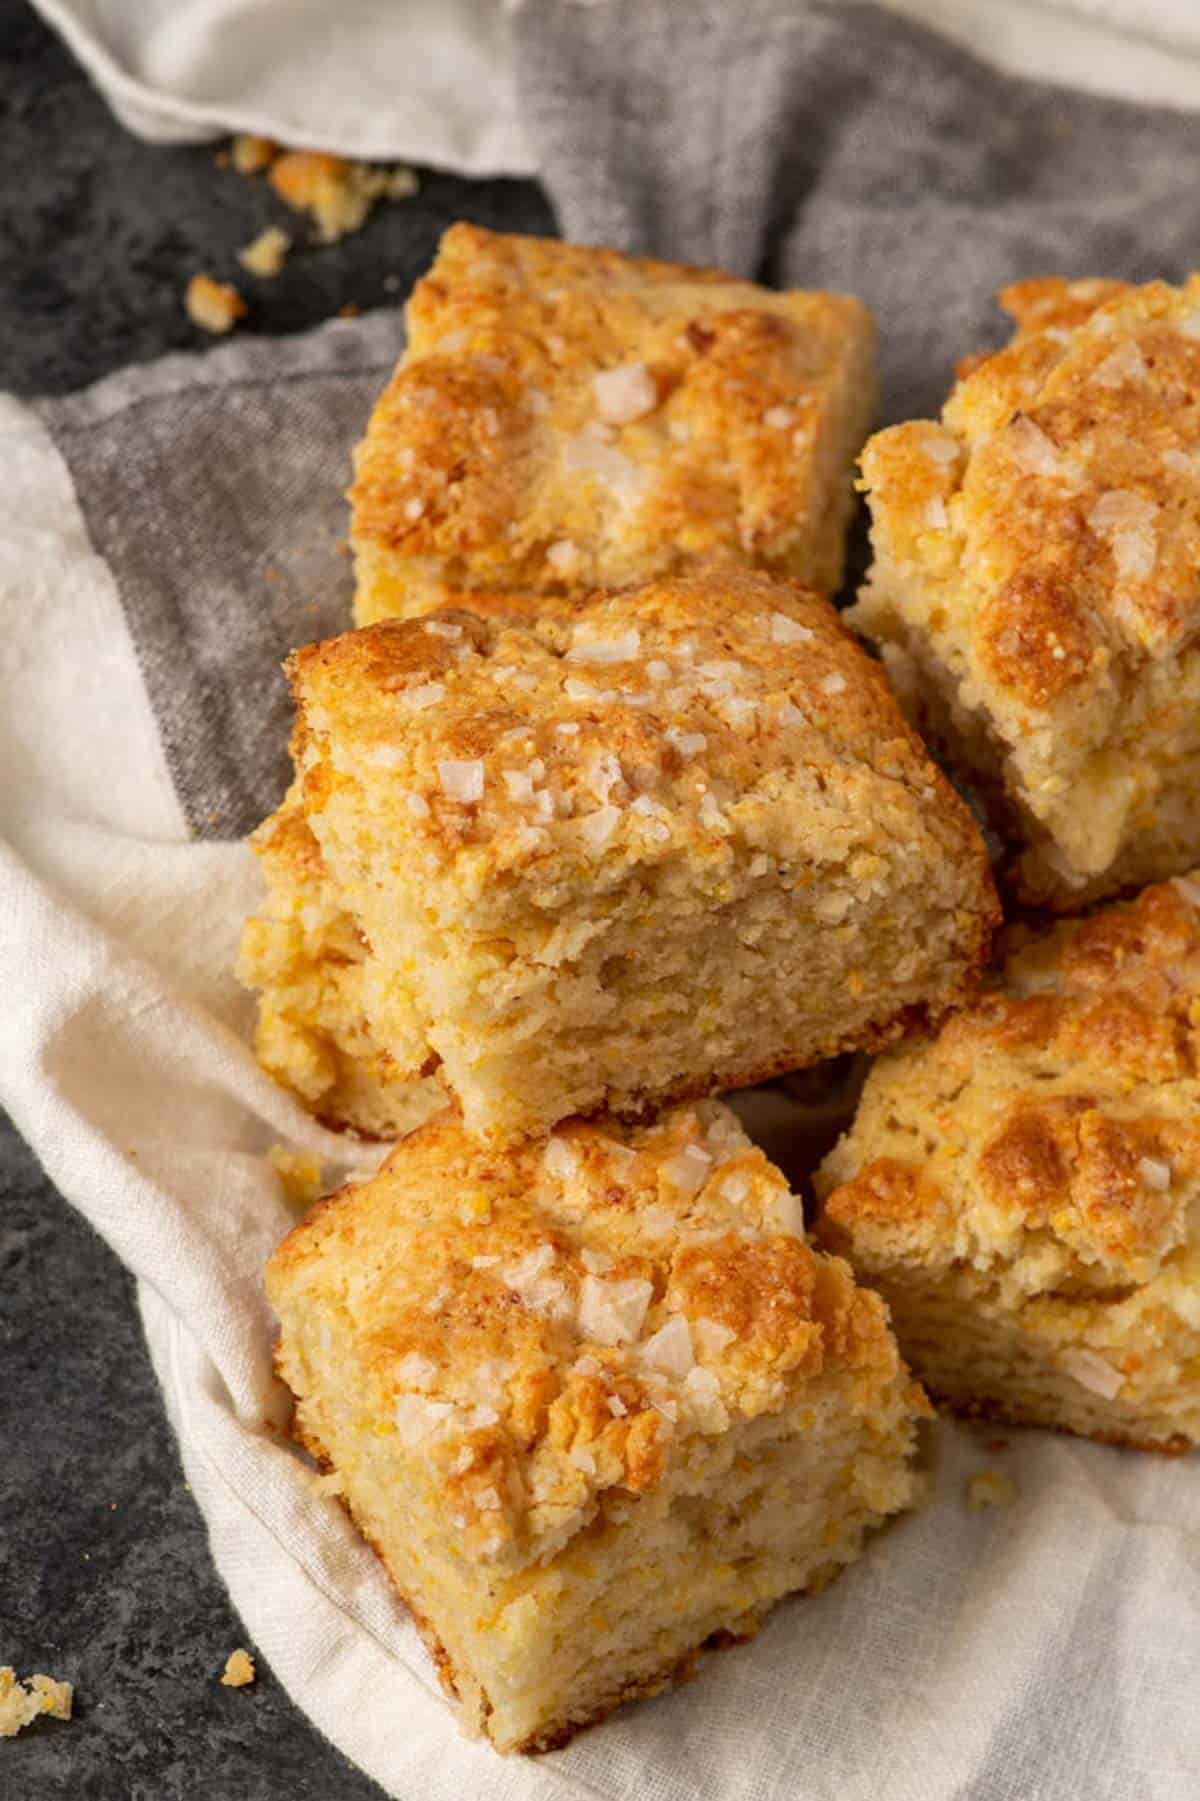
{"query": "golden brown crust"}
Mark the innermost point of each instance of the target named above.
(562, 1264)
(587, 779)
(1035, 582)
(1056, 1104)
(566, 415)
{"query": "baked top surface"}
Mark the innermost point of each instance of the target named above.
(623, 722)
(1057, 499)
(1053, 1127)
(574, 1313)
(571, 405)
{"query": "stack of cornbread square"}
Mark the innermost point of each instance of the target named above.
(603, 814)
(1025, 1188)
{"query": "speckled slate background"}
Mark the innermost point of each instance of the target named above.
(104, 1571)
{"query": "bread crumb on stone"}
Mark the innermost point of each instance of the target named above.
(338, 194)
(239, 1669)
(250, 154)
(214, 306)
(266, 254)
(990, 1488)
(21, 1703)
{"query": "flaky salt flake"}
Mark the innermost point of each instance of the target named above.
(613, 1312)
(519, 783)
(438, 628)
(462, 780)
(574, 689)
(1183, 462)
(414, 508)
(417, 806)
(688, 744)
(791, 715)
(1125, 363)
(415, 1371)
(595, 1262)
(1093, 1372)
(606, 650)
(735, 1188)
(387, 756)
(1125, 520)
(567, 729)
(778, 418)
(939, 446)
(418, 1419)
(711, 1336)
(786, 631)
(737, 711)
(670, 1348)
(617, 1407)
(720, 669)
(657, 670)
(1155, 1173)
(834, 684)
(425, 694)
(785, 1212)
(711, 814)
(597, 828)
(565, 557)
(603, 774)
(936, 517)
(688, 1169)
(624, 394)
(561, 1159)
(1030, 448)
(1189, 325)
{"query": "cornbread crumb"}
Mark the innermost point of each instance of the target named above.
(300, 1174)
(21, 1703)
(250, 154)
(1022, 1189)
(609, 1408)
(267, 253)
(1033, 586)
(739, 861)
(214, 306)
(239, 1670)
(990, 1488)
(339, 195)
(566, 416)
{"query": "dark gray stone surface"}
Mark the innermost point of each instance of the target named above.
(105, 1577)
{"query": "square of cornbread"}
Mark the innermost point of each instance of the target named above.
(564, 416)
(638, 845)
(308, 962)
(1024, 1190)
(592, 1399)
(1034, 584)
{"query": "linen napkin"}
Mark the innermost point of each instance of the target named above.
(166, 538)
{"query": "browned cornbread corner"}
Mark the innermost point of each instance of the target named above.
(566, 416)
(1034, 588)
(592, 1401)
(1024, 1190)
(640, 845)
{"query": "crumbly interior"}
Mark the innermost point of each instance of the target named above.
(306, 959)
(566, 416)
(1024, 1190)
(1032, 583)
(592, 1400)
(655, 843)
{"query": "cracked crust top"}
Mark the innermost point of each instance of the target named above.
(1052, 1127)
(547, 1323)
(620, 723)
(566, 415)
